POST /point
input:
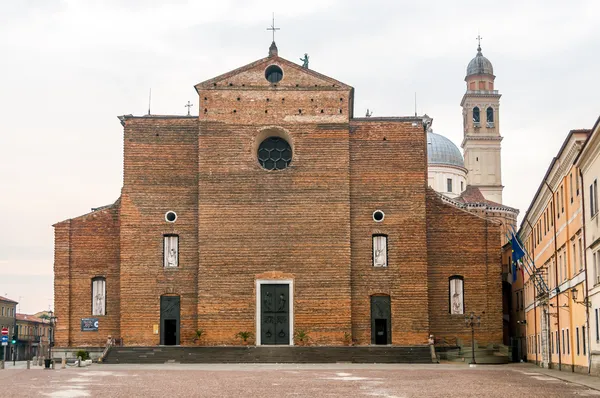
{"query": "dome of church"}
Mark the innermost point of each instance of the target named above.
(480, 65)
(440, 150)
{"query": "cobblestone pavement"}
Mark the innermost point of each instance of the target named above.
(335, 380)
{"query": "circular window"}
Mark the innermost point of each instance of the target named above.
(273, 74)
(274, 153)
(378, 216)
(170, 216)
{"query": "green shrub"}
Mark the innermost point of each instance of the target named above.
(83, 354)
(244, 335)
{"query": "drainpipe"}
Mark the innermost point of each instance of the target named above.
(553, 201)
(534, 300)
(586, 300)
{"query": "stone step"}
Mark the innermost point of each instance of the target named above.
(262, 354)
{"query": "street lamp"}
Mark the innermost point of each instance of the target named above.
(574, 297)
(472, 321)
(52, 320)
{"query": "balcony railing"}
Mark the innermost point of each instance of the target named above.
(482, 91)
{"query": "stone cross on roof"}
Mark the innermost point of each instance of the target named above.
(273, 28)
(189, 105)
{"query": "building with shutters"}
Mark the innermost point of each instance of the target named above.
(588, 166)
(8, 316)
(553, 236)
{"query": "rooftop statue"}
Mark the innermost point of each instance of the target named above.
(304, 61)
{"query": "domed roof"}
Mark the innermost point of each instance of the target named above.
(440, 150)
(480, 65)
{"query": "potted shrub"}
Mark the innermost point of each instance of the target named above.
(244, 336)
(199, 334)
(301, 337)
(83, 354)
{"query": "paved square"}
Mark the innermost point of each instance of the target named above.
(335, 380)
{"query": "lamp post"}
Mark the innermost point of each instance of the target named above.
(574, 297)
(53, 321)
(472, 321)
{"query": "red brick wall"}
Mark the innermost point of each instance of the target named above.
(259, 224)
(463, 244)
(160, 174)
(388, 173)
(92, 241)
(302, 96)
(293, 221)
(62, 282)
(311, 222)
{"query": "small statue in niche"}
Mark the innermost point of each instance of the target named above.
(172, 258)
(304, 61)
(456, 307)
(456, 292)
(99, 304)
(455, 304)
(379, 258)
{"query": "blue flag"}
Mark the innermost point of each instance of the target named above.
(517, 250)
(517, 254)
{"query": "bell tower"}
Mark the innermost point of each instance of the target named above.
(481, 123)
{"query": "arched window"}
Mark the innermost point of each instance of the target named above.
(490, 115)
(99, 296)
(456, 295)
(379, 251)
(171, 250)
(476, 116)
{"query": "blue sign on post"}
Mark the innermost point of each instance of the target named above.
(5, 339)
(89, 324)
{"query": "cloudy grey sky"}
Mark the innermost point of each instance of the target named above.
(68, 68)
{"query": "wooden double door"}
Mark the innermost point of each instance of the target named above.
(275, 314)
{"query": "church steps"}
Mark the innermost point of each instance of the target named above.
(253, 354)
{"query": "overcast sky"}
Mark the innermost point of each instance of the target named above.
(68, 68)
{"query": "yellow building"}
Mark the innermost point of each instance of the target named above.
(553, 238)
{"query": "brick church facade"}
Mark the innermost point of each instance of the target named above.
(276, 211)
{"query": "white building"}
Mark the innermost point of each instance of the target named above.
(589, 163)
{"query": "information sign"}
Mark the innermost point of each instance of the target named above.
(89, 324)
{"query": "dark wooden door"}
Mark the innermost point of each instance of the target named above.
(381, 320)
(169, 320)
(275, 317)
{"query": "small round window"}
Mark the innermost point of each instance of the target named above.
(273, 74)
(274, 153)
(170, 216)
(378, 216)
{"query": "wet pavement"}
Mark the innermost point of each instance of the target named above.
(323, 380)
